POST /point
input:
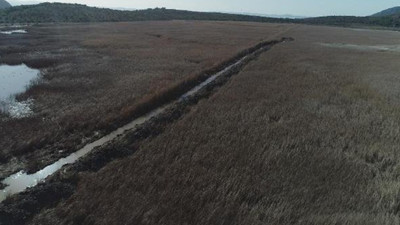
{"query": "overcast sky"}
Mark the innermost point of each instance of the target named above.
(292, 7)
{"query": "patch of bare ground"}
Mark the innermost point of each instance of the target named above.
(99, 76)
(306, 134)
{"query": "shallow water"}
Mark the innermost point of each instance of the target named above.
(382, 48)
(20, 181)
(210, 79)
(15, 80)
(14, 32)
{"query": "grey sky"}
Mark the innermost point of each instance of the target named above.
(293, 7)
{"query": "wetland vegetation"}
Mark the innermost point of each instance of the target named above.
(164, 116)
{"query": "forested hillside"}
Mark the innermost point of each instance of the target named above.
(347, 21)
(4, 4)
(59, 12)
(389, 12)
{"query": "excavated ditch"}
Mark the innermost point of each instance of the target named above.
(25, 194)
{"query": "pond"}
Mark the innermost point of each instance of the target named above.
(15, 80)
(14, 32)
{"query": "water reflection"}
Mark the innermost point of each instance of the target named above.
(14, 32)
(15, 80)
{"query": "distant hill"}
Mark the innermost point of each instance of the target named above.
(60, 12)
(353, 21)
(389, 12)
(4, 4)
(284, 16)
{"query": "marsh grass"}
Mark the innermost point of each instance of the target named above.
(95, 81)
(300, 136)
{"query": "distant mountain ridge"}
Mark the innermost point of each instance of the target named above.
(389, 12)
(4, 4)
(282, 16)
(64, 13)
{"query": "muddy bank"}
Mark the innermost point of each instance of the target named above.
(20, 208)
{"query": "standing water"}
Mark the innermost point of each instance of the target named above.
(20, 181)
(15, 80)
(13, 32)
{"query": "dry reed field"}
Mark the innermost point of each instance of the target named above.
(96, 77)
(306, 134)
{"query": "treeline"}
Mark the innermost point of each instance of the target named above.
(59, 12)
(384, 21)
